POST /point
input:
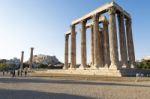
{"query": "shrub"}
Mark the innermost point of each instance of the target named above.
(144, 64)
(4, 67)
(43, 66)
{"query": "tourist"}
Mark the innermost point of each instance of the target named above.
(18, 72)
(14, 73)
(3, 72)
(25, 72)
(21, 73)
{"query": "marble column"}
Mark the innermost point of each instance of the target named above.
(66, 52)
(92, 46)
(73, 48)
(83, 45)
(22, 56)
(113, 39)
(130, 44)
(100, 47)
(123, 47)
(96, 49)
(106, 44)
(31, 58)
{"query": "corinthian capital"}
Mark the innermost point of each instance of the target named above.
(112, 10)
(95, 17)
(128, 21)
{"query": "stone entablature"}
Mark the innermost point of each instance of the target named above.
(101, 10)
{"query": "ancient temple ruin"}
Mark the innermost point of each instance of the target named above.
(104, 43)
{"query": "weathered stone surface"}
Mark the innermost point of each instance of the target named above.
(31, 57)
(92, 46)
(130, 44)
(101, 10)
(22, 56)
(113, 39)
(100, 46)
(73, 47)
(106, 44)
(66, 52)
(83, 45)
(123, 48)
(96, 48)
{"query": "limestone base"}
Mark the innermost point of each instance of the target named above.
(81, 67)
(101, 72)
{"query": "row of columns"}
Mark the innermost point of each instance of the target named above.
(104, 43)
(30, 60)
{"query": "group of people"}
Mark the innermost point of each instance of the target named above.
(15, 73)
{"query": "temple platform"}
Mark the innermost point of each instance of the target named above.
(100, 72)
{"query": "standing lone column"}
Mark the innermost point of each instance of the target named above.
(21, 64)
(66, 52)
(130, 44)
(83, 44)
(113, 39)
(73, 47)
(106, 44)
(123, 48)
(31, 58)
(96, 48)
(92, 46)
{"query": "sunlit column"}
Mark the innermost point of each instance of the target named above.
(113, 39)
(22, 56)
(130, 44)
(31, 58)
(106, 44)
(66, 52)
(73, 48)
(123, 47)
(83, 45)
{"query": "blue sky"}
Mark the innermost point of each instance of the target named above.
(42, 23)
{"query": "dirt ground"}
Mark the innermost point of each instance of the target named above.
(56, 88)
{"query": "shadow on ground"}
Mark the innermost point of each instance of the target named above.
(57, 81)
(27, 94)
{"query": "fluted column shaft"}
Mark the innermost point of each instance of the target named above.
(73, 47)
(22, 56)
(66, 52)
(100, 47)
(113, 39)
(106, 44)
(83, 44)
(31, 58)
(92, 46)
(96, 48)
(130, 44)
(123, 47)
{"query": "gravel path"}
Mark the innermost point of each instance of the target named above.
(48, 88)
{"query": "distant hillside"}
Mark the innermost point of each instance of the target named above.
(147, 58)
(45, 59)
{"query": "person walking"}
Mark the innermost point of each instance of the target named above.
(25, 71)
(18, 73)
(21, 72)
(3, 72)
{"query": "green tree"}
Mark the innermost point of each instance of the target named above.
(3, 67)
(144, 64)
(43, 66)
